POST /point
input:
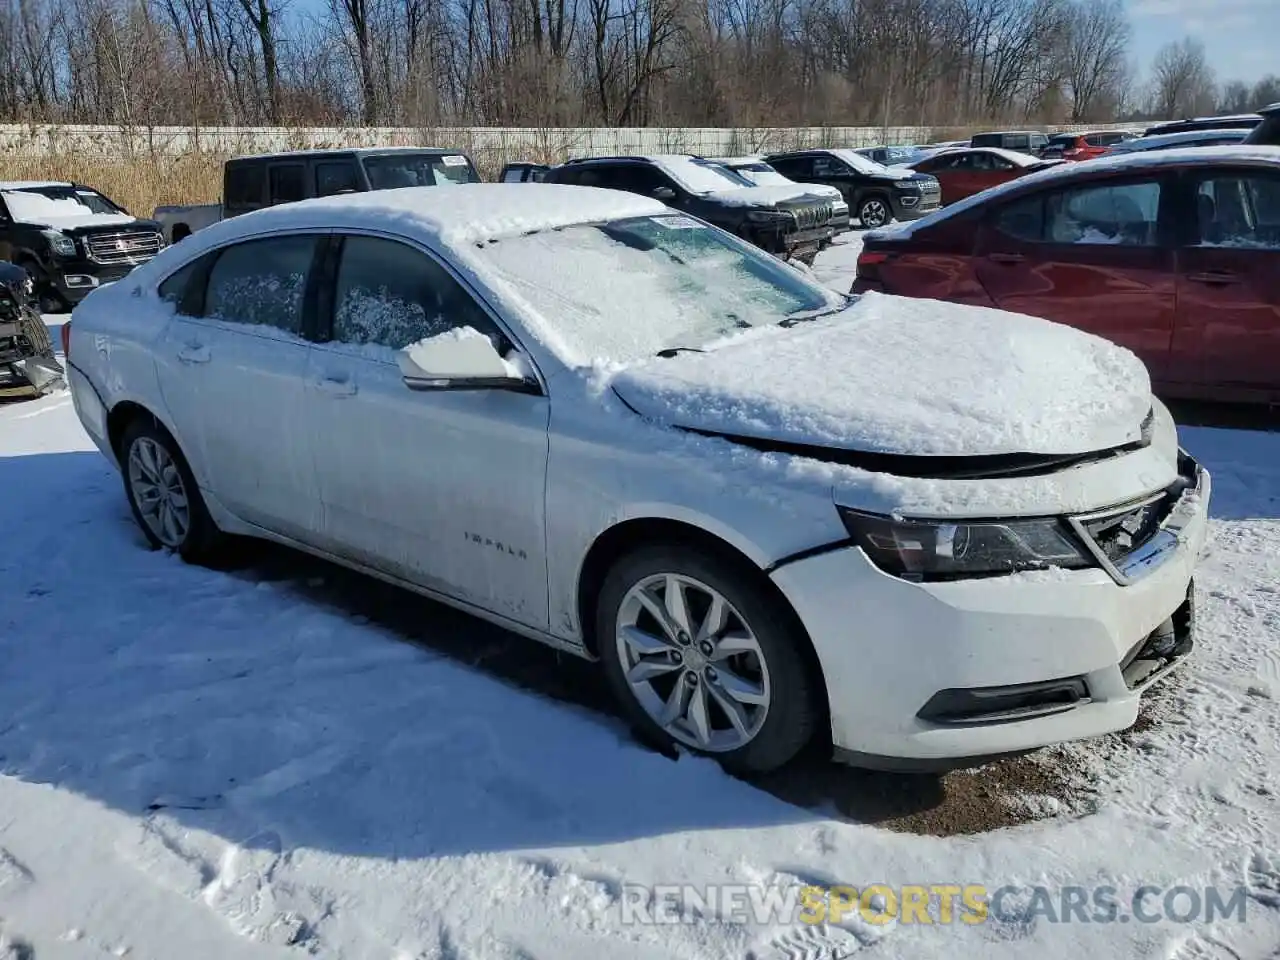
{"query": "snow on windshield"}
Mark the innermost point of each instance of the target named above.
(28, 206)
(629, 288)
(763, 175)
(700, 176)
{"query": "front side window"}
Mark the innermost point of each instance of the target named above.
(1022, 220)
(392, 295)
(1239, 210)
(1120, 214)
(672, 282)
(825, 165)
(261, 282)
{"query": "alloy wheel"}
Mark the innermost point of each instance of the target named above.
(874, 214)
(692, 662)
(159, 492)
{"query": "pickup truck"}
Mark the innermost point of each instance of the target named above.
(250, 183)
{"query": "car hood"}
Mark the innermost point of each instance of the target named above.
(92, 223)
(904, 378)
(769, 196)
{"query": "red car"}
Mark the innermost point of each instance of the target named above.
(1084, 146)
(1175, 255)
(965, 172)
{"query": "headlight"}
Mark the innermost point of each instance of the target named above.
(770, 216)
(839, 206)
(908, 184)
(62, 245)
(939, 550)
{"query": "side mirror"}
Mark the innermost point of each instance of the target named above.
(461, 359)
(664, 194)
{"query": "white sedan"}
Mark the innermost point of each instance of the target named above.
(918, 530)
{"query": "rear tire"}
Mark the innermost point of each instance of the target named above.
(697, 654)
(163, 495)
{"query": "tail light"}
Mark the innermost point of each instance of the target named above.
(66, 340)
(869, 263)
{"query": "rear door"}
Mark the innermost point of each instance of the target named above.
(231, 367)
(1097, 255)
(1229, 279)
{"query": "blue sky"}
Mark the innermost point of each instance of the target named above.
(1241, 37)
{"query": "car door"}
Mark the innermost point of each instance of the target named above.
(1229, 279)
(1098, 256)
(232, 366)
(440, 488)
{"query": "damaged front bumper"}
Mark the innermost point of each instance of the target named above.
(28, 366)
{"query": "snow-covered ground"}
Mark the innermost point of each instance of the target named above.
(214, 765)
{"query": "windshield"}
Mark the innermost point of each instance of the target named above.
(630, 288)
(859, 163)
(392, 170)
(702, 176)
(761, 174)
(57, 202)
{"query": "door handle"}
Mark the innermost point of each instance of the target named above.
(194, 353)
(1006, 257)
(336, 386)
(1213, 277)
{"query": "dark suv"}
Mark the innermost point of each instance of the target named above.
(775, 219)
(1267, 133)
(71, 239)
(875, 194)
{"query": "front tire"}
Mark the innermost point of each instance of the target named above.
(163, 495)
(874, 212)
(699, 655)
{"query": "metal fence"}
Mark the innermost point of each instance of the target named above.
(488, 145)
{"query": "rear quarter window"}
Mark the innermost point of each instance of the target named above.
(245, 185)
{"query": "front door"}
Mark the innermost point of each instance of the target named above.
(1229, 280)
(1095, 256)
(232, 370)
(444, 489)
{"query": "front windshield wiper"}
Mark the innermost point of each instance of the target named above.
(802, 316)
(668, 352)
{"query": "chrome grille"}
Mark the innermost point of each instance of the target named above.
(130, 246)
(1118, 535)
(815, 215)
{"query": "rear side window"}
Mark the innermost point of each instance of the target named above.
(1022, 219)
(1017, 141)
(987, 140)
(261, 282)
(288, 182)
(390, 294)
(793, 166)
(1119, 214)
(336, 176)
(513, 175)
(245, 185)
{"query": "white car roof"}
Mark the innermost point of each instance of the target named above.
(31, 184)
(739, 161)
(1013, 156)
(444, 217)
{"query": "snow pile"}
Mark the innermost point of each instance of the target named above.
(64, 213)
(907, 376)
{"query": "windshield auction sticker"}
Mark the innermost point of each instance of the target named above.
(677, 223)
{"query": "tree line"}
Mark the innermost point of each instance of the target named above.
(552, 63)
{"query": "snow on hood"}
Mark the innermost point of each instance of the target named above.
(74, 222)
(905, 376)
(762, 196)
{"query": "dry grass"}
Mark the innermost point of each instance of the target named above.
(140, 186)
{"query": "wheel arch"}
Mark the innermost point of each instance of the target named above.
(627, 536)
(125, 412)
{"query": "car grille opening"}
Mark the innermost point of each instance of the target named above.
(129, 246)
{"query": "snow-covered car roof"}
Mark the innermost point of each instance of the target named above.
(1108, 163)
(446, 216)
(1013, 156)
(31, 184)
(1165, 140)
(739, 161)
(362, 151)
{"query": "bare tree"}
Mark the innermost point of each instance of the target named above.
(1182, 82)
(1097, 39)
